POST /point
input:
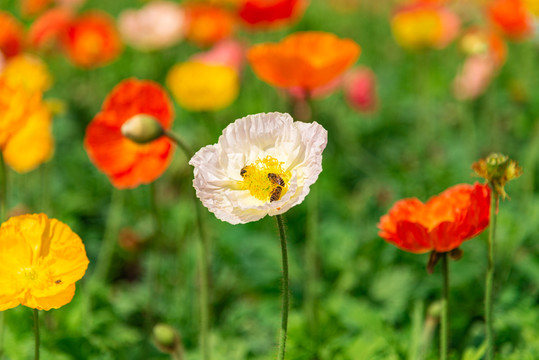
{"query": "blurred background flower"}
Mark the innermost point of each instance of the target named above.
(47, 30)
(511, 17)
(306, 59)
(27, 140)
(227, 52)
(423, 24)
(198, 86)
(360, 89)
(272, 13)
(91, 40)
(157, 25)
(208, 24)
(11, 35)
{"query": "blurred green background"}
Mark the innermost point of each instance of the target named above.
(373, 300)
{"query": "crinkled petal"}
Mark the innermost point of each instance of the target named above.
(297, 146)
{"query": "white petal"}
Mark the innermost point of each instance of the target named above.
(217, 167)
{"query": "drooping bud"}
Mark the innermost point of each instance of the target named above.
(456, 254)
(142, 129)
(497, 169)
(167, 340)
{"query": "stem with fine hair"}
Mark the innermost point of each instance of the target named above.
(490, 274)
(3, 209)
(36, 332)
(286, 291)
(444, 325)
(203, 261)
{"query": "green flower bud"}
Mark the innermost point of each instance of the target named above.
(142, 129)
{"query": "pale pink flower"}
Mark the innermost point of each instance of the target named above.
(158, 25)
(227, 52)
(474, 77)
(360, 89)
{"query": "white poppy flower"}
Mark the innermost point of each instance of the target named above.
(263, 164)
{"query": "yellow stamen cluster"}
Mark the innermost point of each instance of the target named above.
(256, 180)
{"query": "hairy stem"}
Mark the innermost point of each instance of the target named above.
(286, 291)
(490, 276)
(36, 332)
(444, 325)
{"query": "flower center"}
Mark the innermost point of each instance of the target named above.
(265, 179)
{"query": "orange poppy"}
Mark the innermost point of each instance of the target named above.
(126, 163)
(40, 261)
(208, 24)
(442, 223)
(511, 17)
(11, 35)
(91, 40)
(306, 59)
(271, 13)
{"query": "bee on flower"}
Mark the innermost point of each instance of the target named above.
(263, 164)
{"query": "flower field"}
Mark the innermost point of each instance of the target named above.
(269, 179)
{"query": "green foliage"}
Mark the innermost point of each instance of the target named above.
(373, 300)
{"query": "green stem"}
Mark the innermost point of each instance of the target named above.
(444, 326)
(204, 284)
(36, 331)
(110, 237)
(181, 144)
(311, 255)
(286, 291)
(490, 275)
(203, 261)
(3, 209)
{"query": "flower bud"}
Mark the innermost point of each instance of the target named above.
(142, 129)
(167, 339)
(497, 169)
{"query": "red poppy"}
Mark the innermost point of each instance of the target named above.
(208, 24)
(91, 40)
(442, 223)
(511, 17)
(266, 13)
(126, 163)
(49, 28)
(11, 35)
(306, 59)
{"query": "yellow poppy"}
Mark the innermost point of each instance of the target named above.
(29, 71)
(32, 144)
(40, 261)
(203, 87)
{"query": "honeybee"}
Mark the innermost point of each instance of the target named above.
(276, 193)
(276, 179)
(243, 171)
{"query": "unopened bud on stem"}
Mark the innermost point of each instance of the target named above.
(167, 340)
(142, 129)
